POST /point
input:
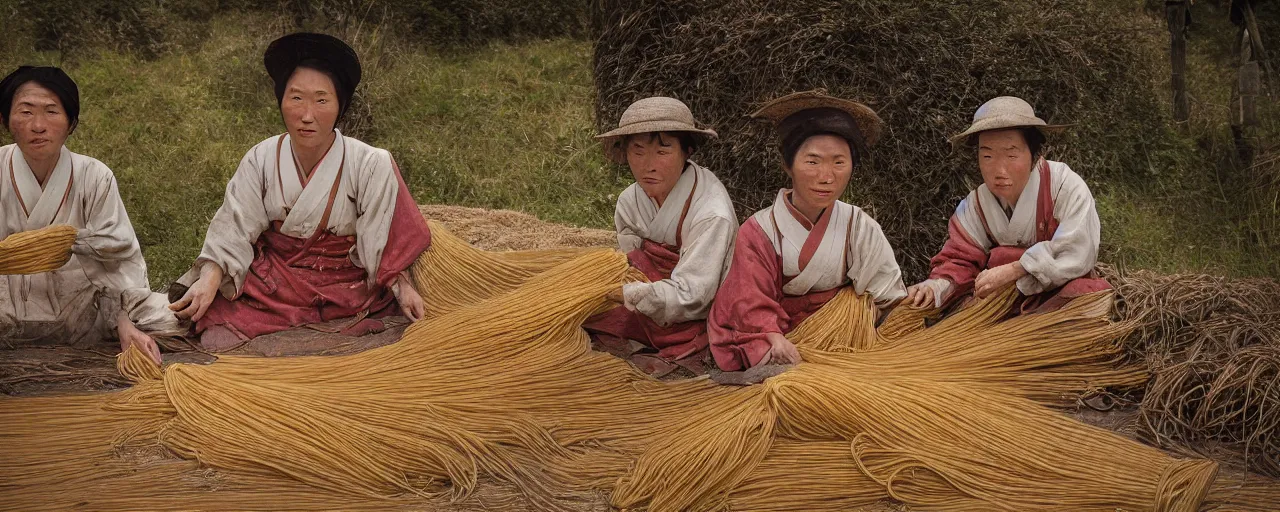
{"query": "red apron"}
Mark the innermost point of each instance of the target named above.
(294, 281)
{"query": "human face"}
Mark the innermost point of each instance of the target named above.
(310, 108)
(656, 161)
(38, 122)
(819, 173)
(1005, 161)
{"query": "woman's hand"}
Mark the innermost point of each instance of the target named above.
(994, 279)
(130, 335)
(411, 303)
(921, 295)
(781, 350)
(196, 301)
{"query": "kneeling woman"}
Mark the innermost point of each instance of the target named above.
(676, 224)
(791, 258)
(315, 226)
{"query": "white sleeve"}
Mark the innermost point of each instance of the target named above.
(107, 247)
(376, 192)
(693, 284)
(1073, 250)
(242, 217)
(872, 267)
(628, 239)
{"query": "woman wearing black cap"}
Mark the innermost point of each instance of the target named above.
(791, 258)
(315, 226)
(102, 292)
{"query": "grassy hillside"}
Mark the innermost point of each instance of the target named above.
(509, 125)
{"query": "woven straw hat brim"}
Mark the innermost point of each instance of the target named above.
(612, 139)
(1003, 122)
(869, 123)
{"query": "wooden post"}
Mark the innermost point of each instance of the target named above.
(1259, 53)
(1176, 15)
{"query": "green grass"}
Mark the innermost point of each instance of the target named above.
(510, 126)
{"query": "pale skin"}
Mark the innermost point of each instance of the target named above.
(40, 127)
(1005, 161)
(819, 174)
(310, 110)
(656, 160)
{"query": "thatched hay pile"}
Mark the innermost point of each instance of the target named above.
(1212, 347)
(924, 66)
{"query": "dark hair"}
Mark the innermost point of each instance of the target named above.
(1033, 136)
(799, 127)
(1035, 140)
(48, 77)
(689, 141)
(339, 88)
(792, 146)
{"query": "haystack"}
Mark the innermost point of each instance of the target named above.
(924, 66)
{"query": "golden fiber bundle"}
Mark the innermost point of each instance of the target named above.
(37, 251)
(499, 384)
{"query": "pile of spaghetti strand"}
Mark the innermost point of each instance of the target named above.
(499, 383)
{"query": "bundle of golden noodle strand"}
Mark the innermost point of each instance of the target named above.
(455, 274)
(500, 383)
(36, 251)
(949, 447)
(1052, 358)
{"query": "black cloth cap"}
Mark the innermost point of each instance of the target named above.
(326, 53)
(798, 127)
(49, 77)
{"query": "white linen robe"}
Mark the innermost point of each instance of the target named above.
(1071, 253)
(853, 251)
(263, 190)
(706, 244)
(79, 302)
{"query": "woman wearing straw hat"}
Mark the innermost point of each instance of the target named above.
(792, 257)
(102, 291)
(676, 224)
(315, 226)
(1031, 223)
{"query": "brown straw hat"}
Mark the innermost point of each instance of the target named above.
(654, 114)
(869, 124)
(1004, 112)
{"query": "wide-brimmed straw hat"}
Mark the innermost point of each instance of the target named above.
(1004, 112)
(869, 123)
(655, 114)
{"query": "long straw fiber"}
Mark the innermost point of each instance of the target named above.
(36, 251)
(499, 384)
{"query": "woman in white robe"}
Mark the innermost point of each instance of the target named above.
(315, 226)
(676, 223)
(102, 292)
(1031, 224)
(791, 258)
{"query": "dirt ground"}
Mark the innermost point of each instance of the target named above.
(28, 371)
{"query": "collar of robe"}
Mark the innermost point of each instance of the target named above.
(814, 259)
(1019, 228)
(665, 224)
(306, 197)
(41, 204)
